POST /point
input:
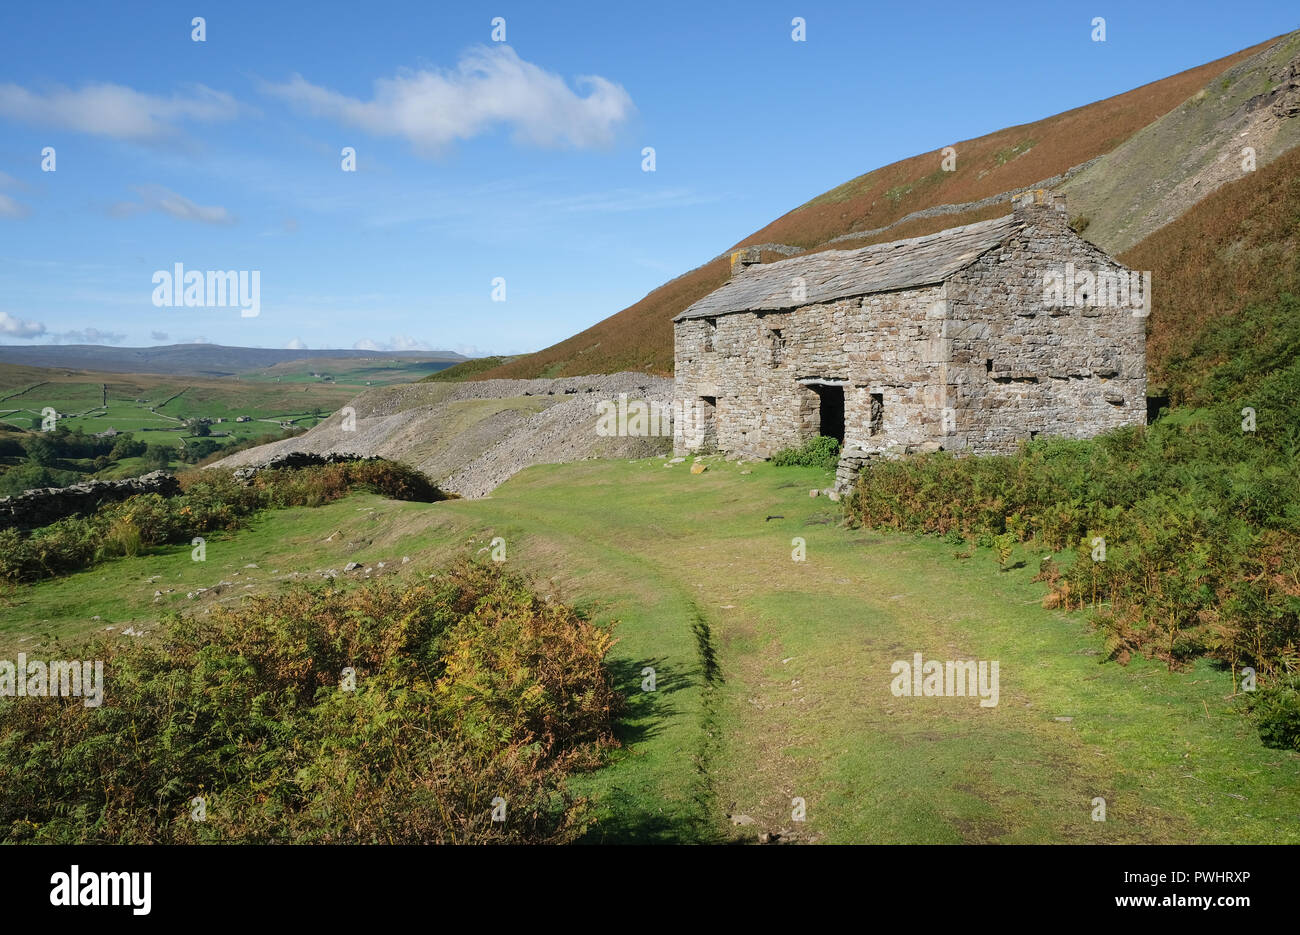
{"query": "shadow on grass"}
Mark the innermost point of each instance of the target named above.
(631, 815)
(623, 819)
(644, 711)
(627, 814)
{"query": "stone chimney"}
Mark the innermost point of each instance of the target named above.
(1041, 208)
(743, 259)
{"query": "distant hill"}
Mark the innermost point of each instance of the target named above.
(908, 198)
(200, 359)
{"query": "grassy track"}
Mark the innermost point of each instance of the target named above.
(773, 676)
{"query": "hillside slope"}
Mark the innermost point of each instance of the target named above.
(1226, 285)
(872, 207)
(1193, 150)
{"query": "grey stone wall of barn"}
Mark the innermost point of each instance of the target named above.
(878, 344)
(1022, 366)
(974, 364)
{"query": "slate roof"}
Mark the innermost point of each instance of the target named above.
(837, 274)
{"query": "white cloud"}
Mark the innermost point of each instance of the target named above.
(470, 350)
(158, 335)
(404, 342)
(488, 87)
(17, 328)
(114, 110)
(399, 342)
(12, 209)
(296, 345)
(157, 198)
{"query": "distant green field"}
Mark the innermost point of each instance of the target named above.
(155, 407)
(773, 675)
(287, 392)
(158, 427)
(158, 402)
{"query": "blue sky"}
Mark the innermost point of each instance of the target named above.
(478, 159)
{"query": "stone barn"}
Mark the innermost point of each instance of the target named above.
(970, 340)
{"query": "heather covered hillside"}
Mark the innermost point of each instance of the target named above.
(1225, 280)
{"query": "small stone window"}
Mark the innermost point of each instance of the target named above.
(710, 329)
(877, 413)
(778, 346)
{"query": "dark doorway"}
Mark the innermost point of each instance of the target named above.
(1156, 405)
(831, 399)
(707, 425)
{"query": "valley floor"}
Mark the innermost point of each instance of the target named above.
(773, 676)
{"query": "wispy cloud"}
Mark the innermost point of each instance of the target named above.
(159, 336)
(17, 328)
(114, 110)
(11, 209)
(488, 88)
(157, 198)
(399, 342)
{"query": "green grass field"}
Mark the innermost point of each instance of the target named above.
(153, 406)
(150, 404)
(773, 676)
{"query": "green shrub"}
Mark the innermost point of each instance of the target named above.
(41, 449)
(562, 701)
(210, 501)
(467, 687)
(127, 447)
(29, 476)
(822, 451)
(1276, 709)
(123, 537)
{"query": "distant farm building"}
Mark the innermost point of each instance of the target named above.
(970, 339)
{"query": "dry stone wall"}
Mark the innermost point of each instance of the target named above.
(45, 505)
